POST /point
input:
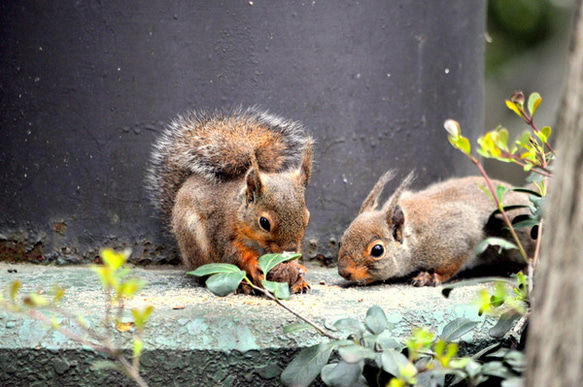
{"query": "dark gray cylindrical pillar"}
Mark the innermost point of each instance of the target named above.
(87, 86)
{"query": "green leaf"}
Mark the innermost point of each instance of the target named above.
(457, 328)
(131, 287)
(223, 284)
(534, 101)
(546, 131)
(355, 353)
(504, 324)
(140, 317)
(306, 366)
(525, 224)
(524, 139)
(214, 268)
(502, 138)
(393, 361)
(542, 136)
(350, 325)
(497, 369)
(386, 341)
(535, 178)
(376, 320)
(297, 327)
(279, 289)
(269, 261)
(503, 244)
(515, 359)
(343, 374)
(104, 274)
(500, 192)
(464, 145)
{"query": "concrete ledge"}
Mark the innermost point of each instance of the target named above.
(195, 338)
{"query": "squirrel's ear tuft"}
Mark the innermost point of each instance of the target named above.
(254, 184)
(396, 220)
(306, 167)
(372, 200)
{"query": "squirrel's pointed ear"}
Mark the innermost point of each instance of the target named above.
(396, 221)
(254, 184)
(305, 171)
(372, 200)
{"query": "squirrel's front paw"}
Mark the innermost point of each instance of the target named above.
(291, 272)
(425, 278)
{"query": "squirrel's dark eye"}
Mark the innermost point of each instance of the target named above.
(264, 223)
(377, 250)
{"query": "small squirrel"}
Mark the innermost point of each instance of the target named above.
(433, 232)
(231, 186)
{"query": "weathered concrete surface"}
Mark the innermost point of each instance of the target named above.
(195, 338)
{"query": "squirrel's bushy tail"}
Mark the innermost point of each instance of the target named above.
(220, 146)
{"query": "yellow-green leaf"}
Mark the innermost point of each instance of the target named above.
(113, 259)
(544, 134)
(512, 106)
(130, 287)
(502, 138)
(140, 317)
(464, 145)
(14, 288)
(533, 101)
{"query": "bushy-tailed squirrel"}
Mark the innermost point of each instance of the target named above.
(231, 185)
(433, 232)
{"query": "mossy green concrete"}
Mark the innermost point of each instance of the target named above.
(195, 338)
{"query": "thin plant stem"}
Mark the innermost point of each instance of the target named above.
(501, 208)
(268, 294)
(106, 349)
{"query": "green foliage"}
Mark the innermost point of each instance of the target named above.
(531, 150)
(118, 286)
(225, 279)
(370, 356)
(528, 150)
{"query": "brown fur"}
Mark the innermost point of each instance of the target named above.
(434, 231)
(217, 176)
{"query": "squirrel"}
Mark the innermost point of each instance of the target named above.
(231, 186)
(433, 232)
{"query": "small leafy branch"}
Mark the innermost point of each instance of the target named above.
(118, 286)
(225, 279)
(532, 151)
(371, 356)
(358, 354)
